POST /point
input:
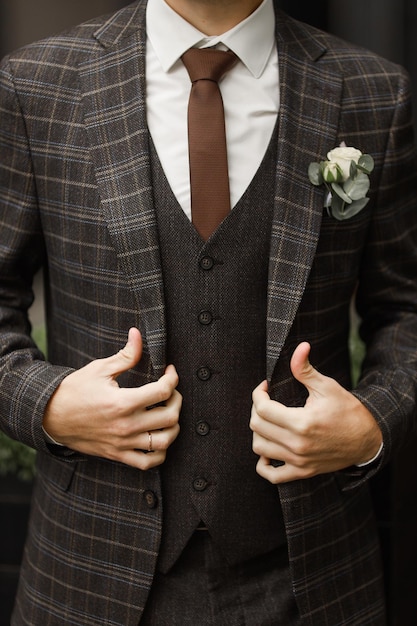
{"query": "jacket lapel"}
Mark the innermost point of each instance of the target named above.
(113, 86)
(308, 124)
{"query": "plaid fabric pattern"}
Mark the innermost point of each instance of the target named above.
(76, 197)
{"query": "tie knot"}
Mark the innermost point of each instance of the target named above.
(208, 64)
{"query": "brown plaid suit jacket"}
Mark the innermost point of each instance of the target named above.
(76, 198)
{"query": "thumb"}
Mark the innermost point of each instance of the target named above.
(303, 371)
(127, 357)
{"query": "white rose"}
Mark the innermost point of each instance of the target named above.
(342, 157)
(332, 172)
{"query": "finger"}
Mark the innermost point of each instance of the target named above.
(162, 415)
(133, 426)
(157, 440)
(142, 461)
(304, 372)
(126, 358)
(272, 449)
(281, 474)
(262, 387)
(260, 398)
(152, 394)
(266, 410)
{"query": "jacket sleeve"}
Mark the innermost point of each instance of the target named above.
(26, 380)
(387, 291)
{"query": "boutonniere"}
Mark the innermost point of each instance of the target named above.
(345, 175)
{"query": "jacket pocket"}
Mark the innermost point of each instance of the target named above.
(59, 473)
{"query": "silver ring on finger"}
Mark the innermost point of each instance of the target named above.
(150, 448)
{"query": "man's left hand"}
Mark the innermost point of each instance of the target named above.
(332, 431)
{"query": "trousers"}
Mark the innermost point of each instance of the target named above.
(201, 588)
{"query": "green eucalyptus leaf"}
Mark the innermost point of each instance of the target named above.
(350, 210)
(337, 206)
(341, 193)
(357, 188)
(315, 175)
(366, 163)
(338, 214)
(353, 170)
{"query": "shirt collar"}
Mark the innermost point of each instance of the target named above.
(251, 40)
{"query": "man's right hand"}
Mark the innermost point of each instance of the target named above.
(91, 414)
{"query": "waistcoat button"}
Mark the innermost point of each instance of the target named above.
(150, 499)
(206, 263)
(202, 428)
(200, 484)
(205, 318)
(204, 373)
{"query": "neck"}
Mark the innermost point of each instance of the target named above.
(214, 17)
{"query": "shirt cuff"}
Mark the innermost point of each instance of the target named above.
(374, 458)
(51, 440)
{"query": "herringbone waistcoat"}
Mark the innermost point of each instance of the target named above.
(215, 295)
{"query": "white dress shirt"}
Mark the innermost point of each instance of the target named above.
(250, 92)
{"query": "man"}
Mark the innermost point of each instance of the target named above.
(150, 505)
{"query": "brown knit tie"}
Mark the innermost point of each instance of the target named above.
(210, 195)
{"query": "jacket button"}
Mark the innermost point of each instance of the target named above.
(200, 484)
(205, 318)
(204, 373)
(202, 428)
(206, 263)
(150, 499)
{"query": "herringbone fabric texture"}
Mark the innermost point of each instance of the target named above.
(223, 401)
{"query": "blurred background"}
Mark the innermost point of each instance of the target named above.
(389, 27)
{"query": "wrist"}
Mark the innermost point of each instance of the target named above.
(50, 439)
(374, 458)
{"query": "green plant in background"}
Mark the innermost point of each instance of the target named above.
(357, 353)
(16, 458)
